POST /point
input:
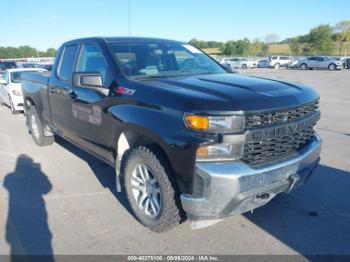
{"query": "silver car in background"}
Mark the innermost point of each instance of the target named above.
(320, 62)
(241, 63)
(279, 61)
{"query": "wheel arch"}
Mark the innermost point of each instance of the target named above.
(135, 136)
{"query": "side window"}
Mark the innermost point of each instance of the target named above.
(92, 60)
(65, 67)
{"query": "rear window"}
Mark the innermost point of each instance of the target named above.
(65, 67)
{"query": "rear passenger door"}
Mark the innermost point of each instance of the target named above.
(91, 125)
(60, 91)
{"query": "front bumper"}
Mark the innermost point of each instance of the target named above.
(234, 187)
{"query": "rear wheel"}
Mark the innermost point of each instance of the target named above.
(303, 66)
(151, 190)
(36, 128)
(244, 66)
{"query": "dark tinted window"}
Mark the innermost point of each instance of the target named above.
(67, 61)
(92, 60)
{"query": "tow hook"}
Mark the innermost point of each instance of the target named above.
(293, 179)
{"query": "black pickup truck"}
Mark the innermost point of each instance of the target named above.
(187, 138)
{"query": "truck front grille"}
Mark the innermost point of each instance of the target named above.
(280, 138)
(263, 119)
(273, 148)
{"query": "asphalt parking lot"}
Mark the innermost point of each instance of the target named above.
(64, 201)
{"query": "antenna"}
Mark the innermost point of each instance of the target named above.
(129, 26)
(129, 18)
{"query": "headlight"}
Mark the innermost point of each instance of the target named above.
(222, 151)
(215, 123)
(16, 92)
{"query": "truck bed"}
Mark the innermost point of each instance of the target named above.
(37, 77)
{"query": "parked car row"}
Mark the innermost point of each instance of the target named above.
(303, 63)
(4, 65)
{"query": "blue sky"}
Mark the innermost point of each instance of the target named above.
(48, 23)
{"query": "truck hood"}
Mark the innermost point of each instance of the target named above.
(230, 92)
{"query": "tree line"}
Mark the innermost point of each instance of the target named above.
(25, 52)
(242, 47)
(320, 40)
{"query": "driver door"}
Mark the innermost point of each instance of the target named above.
(91, 125)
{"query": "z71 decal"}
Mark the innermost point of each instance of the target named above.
(125, 91)
(92, 116)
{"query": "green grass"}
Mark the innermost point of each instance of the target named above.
(279, 49)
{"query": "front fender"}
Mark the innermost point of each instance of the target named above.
(165, 128)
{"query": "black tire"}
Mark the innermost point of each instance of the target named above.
(170, 214)
(277, 66)
(244, 66)
(332, 67)
(303, 66)
(12, 107)
(39, 135)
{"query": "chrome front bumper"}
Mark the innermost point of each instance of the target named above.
(232, 188)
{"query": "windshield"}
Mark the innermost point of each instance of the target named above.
(144, 60)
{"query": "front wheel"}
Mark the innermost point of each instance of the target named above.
(332, 67)
(36, 128)
(151, 189)
(244, 66)
(277, 66)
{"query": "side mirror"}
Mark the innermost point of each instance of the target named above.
(3, 81)
(87, 79)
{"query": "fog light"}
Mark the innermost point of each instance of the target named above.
(222, 151)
